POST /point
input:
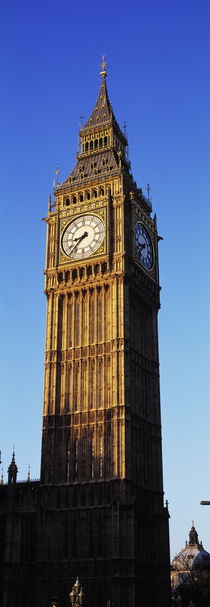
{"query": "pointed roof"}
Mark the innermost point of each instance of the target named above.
(102, 113)
(12, 470)
(13, 466)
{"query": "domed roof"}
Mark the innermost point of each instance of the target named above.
(185, 559)
(202, 561)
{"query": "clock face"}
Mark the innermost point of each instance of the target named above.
(83, 236)
(143, 246)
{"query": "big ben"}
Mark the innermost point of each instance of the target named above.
(100, 512)
(101, 422)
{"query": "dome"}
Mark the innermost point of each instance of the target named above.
(185, 559)
(202, 561)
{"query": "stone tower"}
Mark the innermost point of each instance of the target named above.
(97, 512)
(101, 416)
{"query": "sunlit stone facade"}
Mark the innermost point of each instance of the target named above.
(98, 510)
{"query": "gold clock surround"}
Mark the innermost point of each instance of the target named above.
(103, 247)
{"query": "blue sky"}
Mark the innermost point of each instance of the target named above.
(158, 81)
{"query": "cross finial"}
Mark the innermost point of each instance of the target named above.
(148, 188)
(57, 171)
(103, 65)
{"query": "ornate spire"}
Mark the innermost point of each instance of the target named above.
(193, 536)
(102, 115)
(12, 471)
(77, 594)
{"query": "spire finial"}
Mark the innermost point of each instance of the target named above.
(2, 476)
(103, 65)
(29, 473)
(148, 188)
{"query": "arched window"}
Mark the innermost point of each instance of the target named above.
(67, 202)
(87, 194)
(91, 146)
(86, 147)
(81, 197)
(105, 142)
(100, 142)
(102, 192)
(74, 199)
(96, 144)
(94, 193)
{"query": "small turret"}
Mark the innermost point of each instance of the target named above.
(12, 471)
(77, 595)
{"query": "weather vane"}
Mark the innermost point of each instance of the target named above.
(103, 65)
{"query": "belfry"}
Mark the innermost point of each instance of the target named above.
(97, 511)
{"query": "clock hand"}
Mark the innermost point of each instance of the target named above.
(81, 237)
(142, 245)
(78, 242)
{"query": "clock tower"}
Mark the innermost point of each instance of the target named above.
(101, 441)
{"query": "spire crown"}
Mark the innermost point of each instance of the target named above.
(103, 65)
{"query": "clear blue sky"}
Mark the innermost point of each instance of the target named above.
(158, 81)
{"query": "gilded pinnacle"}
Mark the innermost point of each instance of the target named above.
(103, 65)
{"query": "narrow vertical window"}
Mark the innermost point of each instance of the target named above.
(92, 458)
(101, 457)
(77, 390)
(76, 457)
(68, 460)
(100, 384)
(93, 320)
(92, 386)
(84, 448)
(85, 322)
(100, 319)
(84, 385)
(70, 388)
(70, 324)
(77, 327)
